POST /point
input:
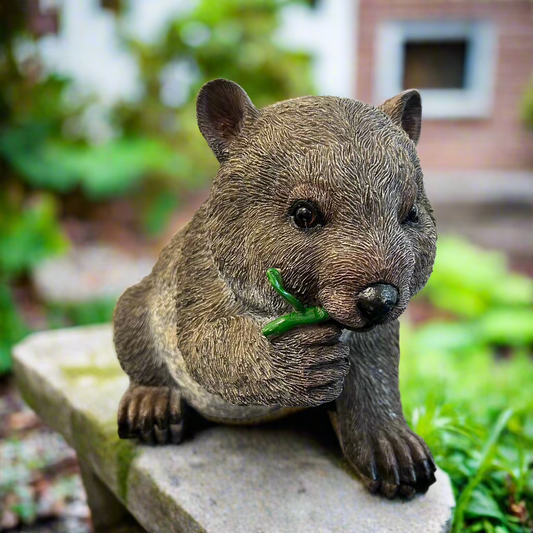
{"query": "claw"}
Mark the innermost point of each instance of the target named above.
(427, 469)
(124, 430)
(374, 470)
(389, 490)
(176, 433)
(407, 491)
(409, 475)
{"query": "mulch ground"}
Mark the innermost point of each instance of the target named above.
(40, 485)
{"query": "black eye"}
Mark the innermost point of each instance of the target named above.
(412, 216)
(305, 215)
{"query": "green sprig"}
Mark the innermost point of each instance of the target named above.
(301, 316)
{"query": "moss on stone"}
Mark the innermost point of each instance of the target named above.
(98, 443)
(125, 454)
(99, 372)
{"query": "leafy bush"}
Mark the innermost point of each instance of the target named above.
(231, 39)
(151, 151)
(472, 405)
(29, 233)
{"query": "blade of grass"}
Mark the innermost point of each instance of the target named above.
(484, 463)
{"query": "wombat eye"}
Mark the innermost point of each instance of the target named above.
(305, 215)
(412, 216)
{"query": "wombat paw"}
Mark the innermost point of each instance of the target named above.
(153, 414)
(394, 464)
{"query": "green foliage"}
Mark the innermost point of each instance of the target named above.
(468, 281)
(494, 304)
(475, 409)
(106, 170)
(232, 39)
(30, 233)
(12, 327)
(81, 314)
(150, 151)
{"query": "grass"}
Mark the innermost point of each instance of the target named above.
(476, 413)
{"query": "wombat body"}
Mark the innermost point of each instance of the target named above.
(329, 191)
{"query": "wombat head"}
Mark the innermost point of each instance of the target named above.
(329, 191)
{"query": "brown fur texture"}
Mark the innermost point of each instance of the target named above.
(190, 332)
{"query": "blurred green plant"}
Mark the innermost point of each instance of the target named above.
(29, 233)
(149, 151)
(81, 314)
(232, 39)
(466, 385)
(492, 304)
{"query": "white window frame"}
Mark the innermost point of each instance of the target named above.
(475, 100)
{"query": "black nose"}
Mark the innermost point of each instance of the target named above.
(377, 301)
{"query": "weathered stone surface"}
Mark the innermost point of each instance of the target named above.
(283, 476)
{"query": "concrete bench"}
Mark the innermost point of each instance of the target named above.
(287, 476)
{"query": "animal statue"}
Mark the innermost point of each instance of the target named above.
(328, 191)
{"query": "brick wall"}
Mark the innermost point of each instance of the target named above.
(498, 142)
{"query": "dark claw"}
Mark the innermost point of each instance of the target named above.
(407, 491)
(374, 471)
(148, 437)
(409, 475)
(162, 423)
(161, 435)
(389, 490)
(124, 430)
(428, 470)
(146, 424)
(176, 433)
(396, 474)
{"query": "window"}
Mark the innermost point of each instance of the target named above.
(434, 64)
(451, 62)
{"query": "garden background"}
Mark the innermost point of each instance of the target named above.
(95, 178)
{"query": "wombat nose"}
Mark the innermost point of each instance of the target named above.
(377, 301)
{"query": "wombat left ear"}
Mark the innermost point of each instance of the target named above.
(222, 110)
(405, 110)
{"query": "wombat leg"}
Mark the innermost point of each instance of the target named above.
(369, 422)
(153, 414)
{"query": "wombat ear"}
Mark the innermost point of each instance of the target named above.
(405, 110)
(223, 109)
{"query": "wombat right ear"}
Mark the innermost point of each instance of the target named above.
(222, 110)
(405, 110)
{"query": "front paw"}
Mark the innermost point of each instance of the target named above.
(393, 462)
(153, 414)
(310, 365)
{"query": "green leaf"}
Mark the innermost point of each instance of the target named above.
(482, 504)
(484, 462)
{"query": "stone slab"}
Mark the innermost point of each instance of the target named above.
(286, 476)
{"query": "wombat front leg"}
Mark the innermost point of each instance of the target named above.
(152, 406)
(303, 367)
(369, 421)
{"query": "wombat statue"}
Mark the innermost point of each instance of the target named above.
(329, 191)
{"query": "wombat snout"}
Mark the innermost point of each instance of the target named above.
(377, 301)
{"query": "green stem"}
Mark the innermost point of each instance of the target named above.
(274, 277)
(312, 315)
(302, 315)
